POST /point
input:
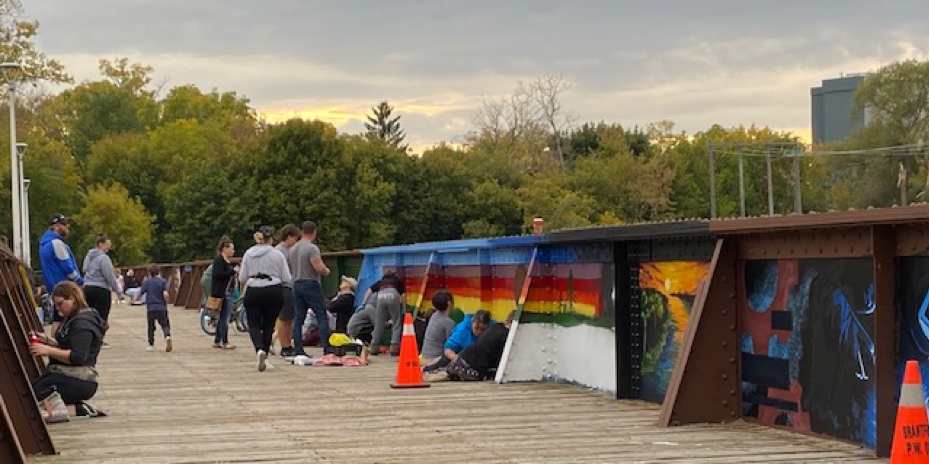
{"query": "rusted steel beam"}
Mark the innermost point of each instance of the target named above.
(184, 290)
(883, 239)
(195, 292)
(706, 383)
(11, 451)
(19, 338)
(16, 391)
(822, 243)
(841, 219)
(912, 239)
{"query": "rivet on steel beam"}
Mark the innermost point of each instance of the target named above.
(732, 328)
(725, 376)
(731, 360)
(725, 402)
(732, 414)
(732, 392)
(725, 344)
(724, 312)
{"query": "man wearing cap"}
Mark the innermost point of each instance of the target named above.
(342, 305)
(58, 263)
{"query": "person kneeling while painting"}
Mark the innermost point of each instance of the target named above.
(439, 328)
(71, 377)
(465, 334)
(480, 360)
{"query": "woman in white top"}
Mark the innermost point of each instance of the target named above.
(263, 271)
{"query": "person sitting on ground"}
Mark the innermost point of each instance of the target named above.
(439, 329)
(342, 306)
(72, 353)
(155, 292)
(480, 360)
(132, 285)
(391, 305)
(465, 334)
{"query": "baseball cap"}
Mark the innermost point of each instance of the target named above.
(59, 218)
(352, 281)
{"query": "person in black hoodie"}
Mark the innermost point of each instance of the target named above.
(221, 287)
(480, 360)
(72, 353)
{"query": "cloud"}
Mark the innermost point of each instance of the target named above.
(697, 63)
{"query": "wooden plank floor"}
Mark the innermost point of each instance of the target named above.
(199, 405)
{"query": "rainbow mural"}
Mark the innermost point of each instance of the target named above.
(568, 280)
(574, 288)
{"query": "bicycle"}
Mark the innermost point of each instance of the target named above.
(209, 319)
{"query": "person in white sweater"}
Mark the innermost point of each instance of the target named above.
(264, 271)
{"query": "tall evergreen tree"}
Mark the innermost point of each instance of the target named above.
(383, 125)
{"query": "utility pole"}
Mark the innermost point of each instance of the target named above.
(712, 184)
(14, 165)
(767, 157)
(798, 192)
(741, 185)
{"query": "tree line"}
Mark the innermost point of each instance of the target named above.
(166, 171)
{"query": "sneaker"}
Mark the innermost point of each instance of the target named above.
(168, 345)
(262, 360)
(395, 352)
(217, 345)
(439, 376)
(287, 352)
(228, 346)
(150, 348)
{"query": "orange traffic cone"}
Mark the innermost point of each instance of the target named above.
(911, 433)
(409, 374)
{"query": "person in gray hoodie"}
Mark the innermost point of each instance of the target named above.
(264, 271)
(99, 278)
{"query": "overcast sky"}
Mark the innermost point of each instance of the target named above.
(693, 62)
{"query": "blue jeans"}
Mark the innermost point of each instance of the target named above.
(309, 294)
(222, 325)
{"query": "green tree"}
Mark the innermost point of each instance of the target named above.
(210, 201)
(298, 177)
(382, 124)
(897, 100)
(17, 45)
(110, 210)
(552, 198)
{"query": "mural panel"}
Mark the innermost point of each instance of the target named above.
(914, 315)
(667, 290)
(807, 345)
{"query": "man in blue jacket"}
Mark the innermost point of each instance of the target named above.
(57, 260)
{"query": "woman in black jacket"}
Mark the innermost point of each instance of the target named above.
(221, 287)
(72, 353)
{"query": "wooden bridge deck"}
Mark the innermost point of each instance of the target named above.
(199, 404)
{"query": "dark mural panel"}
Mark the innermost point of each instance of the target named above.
(668, 290)
(807, 350)
(913, 301)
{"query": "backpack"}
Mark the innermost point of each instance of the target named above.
(206, 282)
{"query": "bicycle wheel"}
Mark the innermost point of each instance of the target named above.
(241, 319)
(207, 322)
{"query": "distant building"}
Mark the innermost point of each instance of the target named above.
(832, 108)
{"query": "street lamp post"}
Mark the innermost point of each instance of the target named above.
(27, 242)
(14, 164)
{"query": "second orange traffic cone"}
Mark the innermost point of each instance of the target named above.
(911, 432)
(409, 374)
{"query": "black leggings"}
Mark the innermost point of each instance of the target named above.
(160, 315)
(262, 305)
(72, 390)
(99, 299)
